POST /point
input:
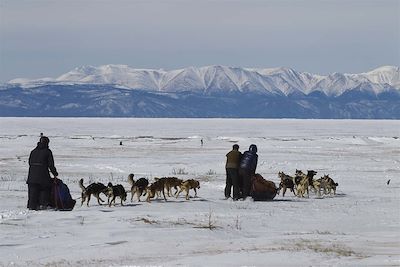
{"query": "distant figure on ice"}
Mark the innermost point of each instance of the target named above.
(201, 141)
(120, 143)
(247, 169)
(39, 181)
(232, 173)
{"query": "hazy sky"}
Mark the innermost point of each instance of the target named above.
(47, 38)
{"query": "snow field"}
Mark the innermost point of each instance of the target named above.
(357, 227)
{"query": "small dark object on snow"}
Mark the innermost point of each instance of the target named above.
(388, 182)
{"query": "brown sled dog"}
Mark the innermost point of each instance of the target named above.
(155, 188)
(187, 185)
(94, 189)
(172, 182)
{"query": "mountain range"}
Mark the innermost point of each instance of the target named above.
(212, 91)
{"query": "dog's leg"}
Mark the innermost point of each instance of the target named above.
(292, 189)
(121, 201)
(284, 191)
(195, 192)
(88, 199)
(187, 193)
(176, 190)
(300, 192)
(168, 191)
(113, 199)
(180, 190)
(99, 199)
(83, 198)
(164, 194)
(148, 196)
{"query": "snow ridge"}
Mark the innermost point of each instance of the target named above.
(216, 78)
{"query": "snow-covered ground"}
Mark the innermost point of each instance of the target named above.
(360, 226)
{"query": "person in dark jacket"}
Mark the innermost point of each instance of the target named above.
(247, 169)
(39, 181)
(232, 173)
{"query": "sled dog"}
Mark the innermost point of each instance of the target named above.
(302, 183)
(94, 189)
(115, 191)
(155, 188)
(328, 184)
(286, 182)
(172, 182)
(187, 185)
(137, 187)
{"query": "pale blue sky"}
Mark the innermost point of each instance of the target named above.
(47, 38)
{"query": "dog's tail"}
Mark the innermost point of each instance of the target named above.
(336, 184)
(130, 179)
(81, 185)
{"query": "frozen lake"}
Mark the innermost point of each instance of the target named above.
(360, 226)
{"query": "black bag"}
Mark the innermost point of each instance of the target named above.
(61, 198)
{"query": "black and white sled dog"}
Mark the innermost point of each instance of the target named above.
(94, 189)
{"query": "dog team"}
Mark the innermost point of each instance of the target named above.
(301, 183)
(140, 187)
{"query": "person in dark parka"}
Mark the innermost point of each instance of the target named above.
(39, 181)
(232, 172)
(247, 169)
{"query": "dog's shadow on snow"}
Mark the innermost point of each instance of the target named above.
(110, 209)
(168, 201)
(198, 199)
(179, 200)
(131, 204)
(280, 200)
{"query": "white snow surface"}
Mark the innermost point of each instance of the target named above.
(359, 226)
(223, 79)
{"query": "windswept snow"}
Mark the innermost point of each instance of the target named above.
(360, 226)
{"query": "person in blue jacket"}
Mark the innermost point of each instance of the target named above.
(247, 169)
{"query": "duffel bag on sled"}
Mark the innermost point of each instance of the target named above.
(61, 198)
(262, 189)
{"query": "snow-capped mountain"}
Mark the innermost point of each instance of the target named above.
(212, 91)
(213, 79)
